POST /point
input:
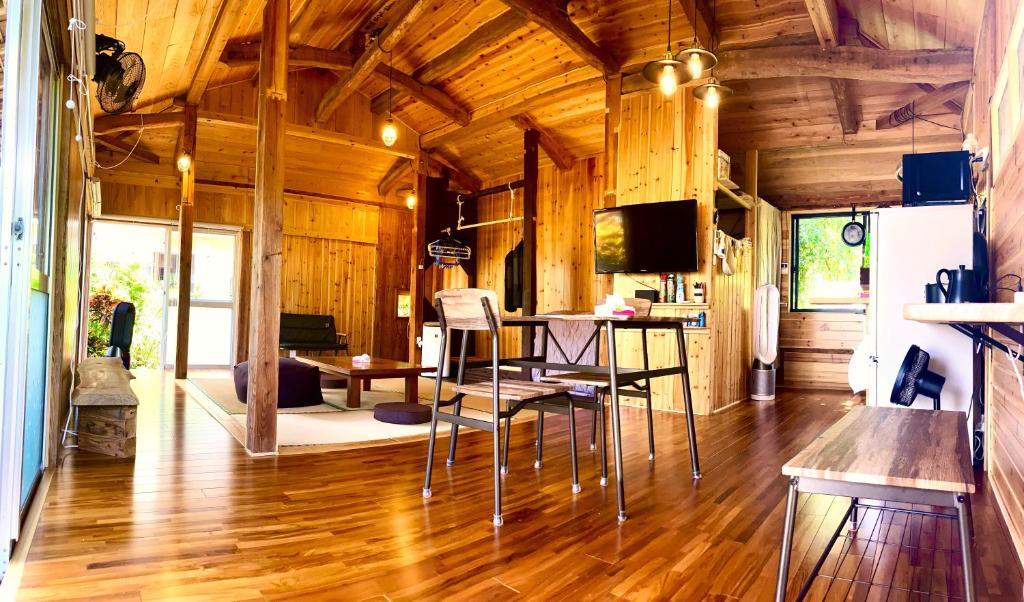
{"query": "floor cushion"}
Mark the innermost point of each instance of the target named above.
(298, 384)
(401, 413)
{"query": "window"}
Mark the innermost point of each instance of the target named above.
(826, 272)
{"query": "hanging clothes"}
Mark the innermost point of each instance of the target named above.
(514, 278)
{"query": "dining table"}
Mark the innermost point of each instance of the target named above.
(617, 376)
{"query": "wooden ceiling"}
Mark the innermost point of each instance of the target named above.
(492, 64)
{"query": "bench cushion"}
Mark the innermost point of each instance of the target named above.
(401, 413)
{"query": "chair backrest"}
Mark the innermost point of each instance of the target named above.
(463, 309)
(122, 326)
(307, 328)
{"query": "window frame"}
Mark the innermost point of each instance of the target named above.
(794, 259)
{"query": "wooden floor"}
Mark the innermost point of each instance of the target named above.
(195, 517)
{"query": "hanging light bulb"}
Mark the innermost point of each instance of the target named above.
(410, 199)
(668, 81)
(184, 162)
(390, 133)
(712, 93)
(694, 66)
(712, 99)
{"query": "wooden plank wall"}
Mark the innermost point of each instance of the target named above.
(732, 300)
(1004, 447)
(816, 346)
(330, 255)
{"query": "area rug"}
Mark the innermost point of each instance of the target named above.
(221, 391)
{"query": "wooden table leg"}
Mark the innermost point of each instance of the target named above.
(412, 389)
(355, 385)
(366, 384)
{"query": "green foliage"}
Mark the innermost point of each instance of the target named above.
(111, 283)
(827, 266)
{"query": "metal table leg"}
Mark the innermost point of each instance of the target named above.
(963, 515)
(691, 432)
(616, 428)
(787, 540)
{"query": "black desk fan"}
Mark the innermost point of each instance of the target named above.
(914, 378)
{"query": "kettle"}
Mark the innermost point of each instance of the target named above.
(962, 285)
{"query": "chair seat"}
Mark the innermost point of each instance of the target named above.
(578, 378)
(512, 390)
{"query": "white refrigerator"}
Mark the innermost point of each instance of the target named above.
(908, 246)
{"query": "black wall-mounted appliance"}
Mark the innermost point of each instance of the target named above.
(647, 237)
(937, 178)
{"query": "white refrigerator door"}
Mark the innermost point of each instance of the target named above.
(908, 246)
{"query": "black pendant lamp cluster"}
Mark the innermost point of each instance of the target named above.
(691, 64)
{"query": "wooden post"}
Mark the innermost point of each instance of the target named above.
(265, 314)
(419, 243)
(244, 296)
(750, 177)
(186, 212)
(531, 155)
(612, 121)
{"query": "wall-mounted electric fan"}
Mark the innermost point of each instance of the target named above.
(119, 75)
(915, 379)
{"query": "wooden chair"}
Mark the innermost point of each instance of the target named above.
(601, 385)
(468, 310)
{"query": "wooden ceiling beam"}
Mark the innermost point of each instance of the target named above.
(228, 18)
(546, 14)
(458, 174)
(922, 105)
(402, 17)
(401, 168)
(122, 146)
(696, 12)
(128, 122)
(490, 32)
(825, 20)
(870, 64)
(341, 60)
(558, 154)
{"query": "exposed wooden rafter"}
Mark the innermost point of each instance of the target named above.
(900, 66)
(923, 105)
(558, 154)
(696, 12)
(130, 148)
(229, 16)
(130, 122)
(548, 15)
(401, 168)
(341, 61)
(459, 175)
(402, 17)
(825, 20)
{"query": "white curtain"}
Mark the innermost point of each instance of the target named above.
(768, 241)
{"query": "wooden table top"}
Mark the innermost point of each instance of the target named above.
(919, 449)
(343, 364)
(965, 313)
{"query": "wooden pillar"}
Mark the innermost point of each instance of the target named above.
(244, 296)
(186, 212)
(750, 171)
(612, 121)
(530, 158)
(419, 243)
(265, 312)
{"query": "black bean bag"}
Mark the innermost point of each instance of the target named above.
(402, 413)
(298, 384)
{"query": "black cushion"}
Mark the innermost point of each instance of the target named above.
(298, 384)
(402, 413)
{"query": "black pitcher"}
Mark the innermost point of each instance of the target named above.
(962, 285)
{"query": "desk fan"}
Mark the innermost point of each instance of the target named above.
(914, 378)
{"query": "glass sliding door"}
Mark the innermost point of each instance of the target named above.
(211, 333)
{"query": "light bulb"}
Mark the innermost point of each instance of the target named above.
(410, 200)
(694, 66)
(389, 134)
(70, 104)
(712, 99)
(184, 162)
(667, 81)
(78, 137)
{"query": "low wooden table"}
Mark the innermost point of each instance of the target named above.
(360, 374)
(898, 455)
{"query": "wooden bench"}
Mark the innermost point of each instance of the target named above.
(105, 408)
(308, 332)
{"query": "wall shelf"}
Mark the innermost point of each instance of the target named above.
(971, 318)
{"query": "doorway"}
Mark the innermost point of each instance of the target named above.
(138, 263)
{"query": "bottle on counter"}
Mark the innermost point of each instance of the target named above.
(671, 288)
(680, 289)
(663, 293)
(702, 321)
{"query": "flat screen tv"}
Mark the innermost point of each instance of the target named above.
(936, 178)
(648, 237)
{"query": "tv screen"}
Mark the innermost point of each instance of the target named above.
(649, 237)
(936, 178)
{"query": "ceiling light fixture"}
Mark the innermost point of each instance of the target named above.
(696, 58)
(713, 91)
(184, 162)
(389, 134)
(665, 71)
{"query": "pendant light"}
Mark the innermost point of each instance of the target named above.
(713, 91)
(696, 59)
(667, 71)
(389, 135)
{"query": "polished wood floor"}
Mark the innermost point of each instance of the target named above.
(194, 517)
